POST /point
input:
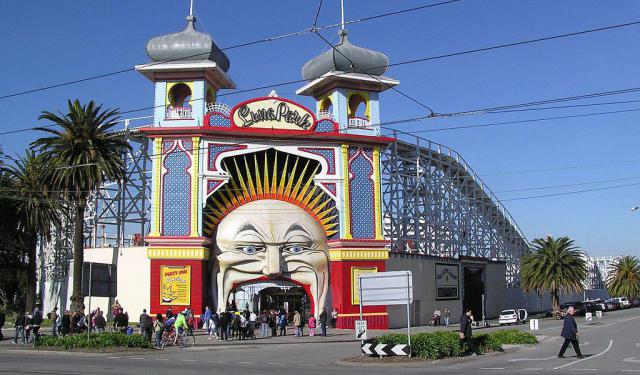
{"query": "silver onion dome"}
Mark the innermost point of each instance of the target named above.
(187, 45)
(346, 57)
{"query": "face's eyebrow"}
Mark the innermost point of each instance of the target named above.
(248, 227)
(296, 227)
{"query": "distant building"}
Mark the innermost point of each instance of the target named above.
(599, 271)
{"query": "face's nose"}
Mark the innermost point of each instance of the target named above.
(272, 264)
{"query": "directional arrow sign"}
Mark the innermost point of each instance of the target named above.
(400, 350)
(366, 349)
(380, 349)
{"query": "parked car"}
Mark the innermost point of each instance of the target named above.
(624, 302)
(635, 302)
(612, 304)
(577, 305)
(513, 316)
(591, 307)
(599, 304)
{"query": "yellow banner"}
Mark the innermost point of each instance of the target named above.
(355, 283)
(175, 285)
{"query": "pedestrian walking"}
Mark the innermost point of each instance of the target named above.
(224, 324)
(253, 320)
(273, 323)
(466, 332)
(322, 319)
(53, 317)
(297, 323)
(334, 317)
(264, 324)
(158, 329)
(447, 314)
(3, 317)
(282, 322)
(312, 326)
(206, 317)
(19, 324)
(146, 325)
(570, 334)
(214, 325)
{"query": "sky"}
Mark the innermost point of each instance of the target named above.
(46, 43)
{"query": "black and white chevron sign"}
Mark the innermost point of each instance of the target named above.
(384, 349)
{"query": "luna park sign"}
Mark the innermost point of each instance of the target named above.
(272, 113)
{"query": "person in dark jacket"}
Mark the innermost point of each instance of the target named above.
(66, 323)
(224, 323)
(570, 334)
(2, 321)
(121, 322)
(466, 332)
(322, 319)
(146, 324)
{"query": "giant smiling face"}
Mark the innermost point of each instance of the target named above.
(275, 239)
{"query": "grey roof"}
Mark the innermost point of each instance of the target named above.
(346, 57)
(187, 45)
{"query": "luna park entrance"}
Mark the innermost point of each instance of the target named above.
(273, 295)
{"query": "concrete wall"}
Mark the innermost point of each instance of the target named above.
(495, 289)
(133, 282)
(424, 291)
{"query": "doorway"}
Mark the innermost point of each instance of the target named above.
(289, 300)
(473, 290)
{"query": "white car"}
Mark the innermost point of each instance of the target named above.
(513, 316)
(624, 302)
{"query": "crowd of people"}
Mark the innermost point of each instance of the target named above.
(224, 325)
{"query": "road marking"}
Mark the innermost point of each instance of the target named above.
(189, 360)
(624, 370)
(113, 357)
(631, 359)
(531, 359)
(215, 361)
(135, 358)
(491, 368)
(583, 369)
(584, 359)
(273, 363)
(532, 369)
(585, 343)
(246, 363)
(162, 359)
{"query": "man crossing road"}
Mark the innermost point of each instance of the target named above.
(570, 334)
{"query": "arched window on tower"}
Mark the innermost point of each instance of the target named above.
(179, 102)
(326, 109)
(358, 111)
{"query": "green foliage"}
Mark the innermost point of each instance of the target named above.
(444, 344)
(554, 265)
(624, 278)
(513, 336)
(95, 341)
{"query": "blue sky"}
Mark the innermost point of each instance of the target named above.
(51, 42)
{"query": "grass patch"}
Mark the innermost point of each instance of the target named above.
(445, 344)
(94, 341)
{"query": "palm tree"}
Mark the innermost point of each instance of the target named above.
(81, 155)
(34, 209)
(552, 266)
(624, 277)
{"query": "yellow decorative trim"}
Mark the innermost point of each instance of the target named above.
(195, 182)
(377, 194)
(198, 253)
(170, 85)
(365, 314)
(157, 177)
(347, 207)
(355, 285)
(358, 254)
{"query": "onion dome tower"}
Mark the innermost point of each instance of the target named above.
(346, 81)
(188, 68)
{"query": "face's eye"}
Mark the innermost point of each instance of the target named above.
(249, 249)
(294, 249)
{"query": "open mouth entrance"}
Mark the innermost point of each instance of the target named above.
(272, 294)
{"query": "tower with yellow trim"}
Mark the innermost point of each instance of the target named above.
(346, 81)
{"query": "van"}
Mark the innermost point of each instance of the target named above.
(624, 302)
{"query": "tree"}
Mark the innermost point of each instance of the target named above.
(81, 155)
(34, 209)
(624, 277)
(554, 265)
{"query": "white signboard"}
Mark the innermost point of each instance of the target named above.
(386, 288)
(533, 324)
(599, 314)
(588, 316)
(361, 329)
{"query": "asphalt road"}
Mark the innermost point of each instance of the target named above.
(612, 345)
